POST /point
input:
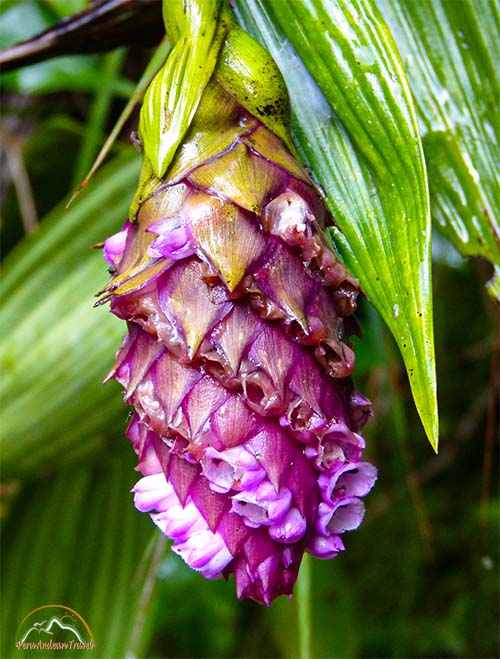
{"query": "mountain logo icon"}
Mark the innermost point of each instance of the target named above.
(54, 627)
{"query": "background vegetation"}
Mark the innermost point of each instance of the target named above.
(418, 579)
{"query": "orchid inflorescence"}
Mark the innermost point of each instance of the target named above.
(237, 359)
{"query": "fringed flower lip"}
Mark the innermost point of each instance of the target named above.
(237, 359)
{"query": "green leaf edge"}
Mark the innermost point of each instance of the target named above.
(256, 17)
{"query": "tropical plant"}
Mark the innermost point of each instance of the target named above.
(393, 114)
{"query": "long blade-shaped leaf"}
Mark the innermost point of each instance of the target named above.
(451, 55)
(58, 348)
(370, 164)
(76, 540)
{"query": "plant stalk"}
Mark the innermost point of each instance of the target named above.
(304, 608)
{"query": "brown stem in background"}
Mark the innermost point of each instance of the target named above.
(102, 26)
(13, 149)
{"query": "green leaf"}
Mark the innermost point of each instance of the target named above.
(58, 348)
(78, 73)
(250, 75)
(451, 55)
(367, 157)
(65, 7)
(175, 92)
(76, 540)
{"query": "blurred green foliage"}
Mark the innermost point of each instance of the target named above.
(20, 20)
(418, 579)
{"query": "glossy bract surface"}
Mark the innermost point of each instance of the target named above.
(237, 359)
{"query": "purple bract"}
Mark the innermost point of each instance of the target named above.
(237, 361)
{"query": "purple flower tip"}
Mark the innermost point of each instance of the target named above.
(114, 246)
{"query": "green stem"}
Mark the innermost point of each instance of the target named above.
(98, 114)
(304, 608)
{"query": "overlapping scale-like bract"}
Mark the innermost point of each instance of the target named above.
(237, 359)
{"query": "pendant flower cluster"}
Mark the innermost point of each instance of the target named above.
(237, 359)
